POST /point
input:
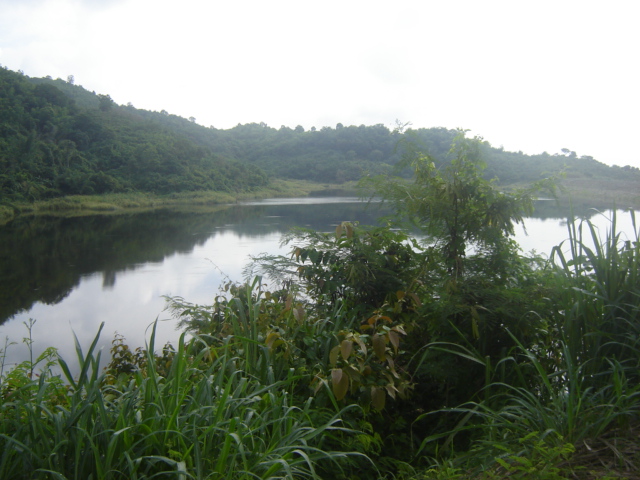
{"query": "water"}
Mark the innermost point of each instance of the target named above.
(73, 273)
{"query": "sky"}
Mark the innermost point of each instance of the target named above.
(528, 76)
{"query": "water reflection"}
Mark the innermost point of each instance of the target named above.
(72, 273)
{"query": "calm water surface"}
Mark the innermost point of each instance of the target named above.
(72, 274)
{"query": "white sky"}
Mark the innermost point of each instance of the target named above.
(531, 76)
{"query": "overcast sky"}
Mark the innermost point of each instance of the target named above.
(531, 76)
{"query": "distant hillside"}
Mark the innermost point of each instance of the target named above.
(57, 138)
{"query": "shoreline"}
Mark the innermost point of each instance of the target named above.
(573, 192)
(116, 203)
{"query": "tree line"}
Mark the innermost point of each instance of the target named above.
(57, 138)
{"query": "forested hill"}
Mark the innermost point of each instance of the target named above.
(57, 138)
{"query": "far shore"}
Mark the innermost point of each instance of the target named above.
(580, 192)
(115, 203)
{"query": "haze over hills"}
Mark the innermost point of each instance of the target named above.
(57, 138)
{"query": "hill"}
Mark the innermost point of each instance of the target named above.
(57, 138)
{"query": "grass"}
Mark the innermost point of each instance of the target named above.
(197, 416)
(582, 192)
(575, 412)
(116, 202)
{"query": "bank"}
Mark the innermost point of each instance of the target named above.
(132, 201)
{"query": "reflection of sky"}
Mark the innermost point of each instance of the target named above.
(543, 234)
(303, 201)
(132, 299)
(135, 300)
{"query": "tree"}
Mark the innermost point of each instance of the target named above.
(453, 203)
(105, 102)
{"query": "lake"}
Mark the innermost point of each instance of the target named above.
(72, 273)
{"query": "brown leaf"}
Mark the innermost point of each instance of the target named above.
(299, 313)
(333, 355)
(416, 299)
(394, 338)
(361, 344)
(349, 229)
(339, 383)
(346, 347)
(391, 390)
(378, 398)
(378, 346)
(399, 329)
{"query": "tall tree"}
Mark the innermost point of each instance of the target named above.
(453, 203)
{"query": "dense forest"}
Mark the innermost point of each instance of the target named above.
(57, 138)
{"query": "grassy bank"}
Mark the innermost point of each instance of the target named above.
(601, 192)
(117, 202)
(594, 192)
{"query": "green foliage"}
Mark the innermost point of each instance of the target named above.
(476, 285)
(537, 460)
(59, 139)
(336, 353)
(601, 309)
(282, 383)
(574, 386)
(454, 204)
(459, 349)
(364, 267)
(197, 417)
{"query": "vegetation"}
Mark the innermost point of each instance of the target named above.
(57, 139)
(54, 143)
(371, 355)
(117, 203)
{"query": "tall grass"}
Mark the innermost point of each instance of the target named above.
(581, 387)
(600, 293)
(222, 416)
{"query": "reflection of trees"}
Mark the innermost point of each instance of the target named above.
(43, 258)
(550, 209)
(319, 217)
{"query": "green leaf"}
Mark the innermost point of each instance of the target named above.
(394, 338)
